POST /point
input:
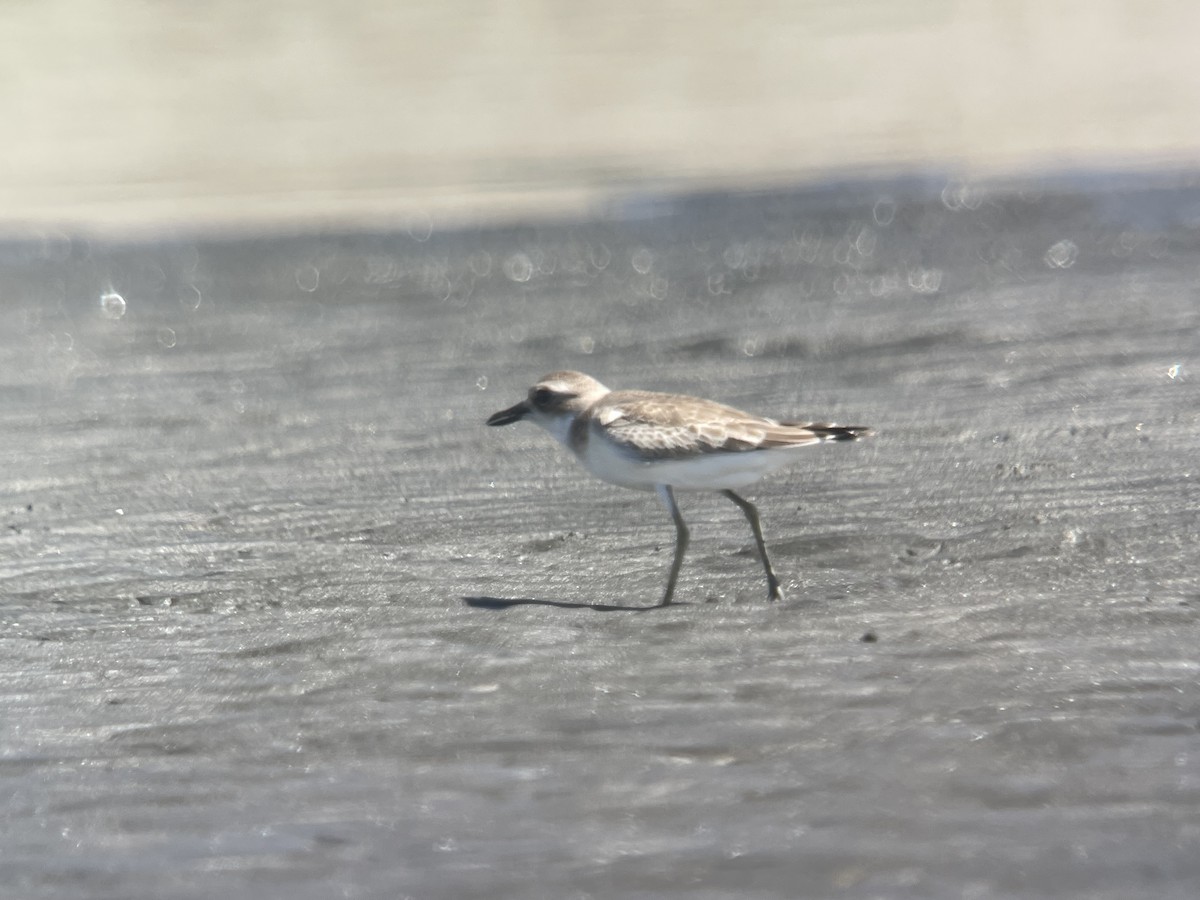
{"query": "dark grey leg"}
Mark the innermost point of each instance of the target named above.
(773, 590)
(667, 496)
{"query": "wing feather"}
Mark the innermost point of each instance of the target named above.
(667, 426)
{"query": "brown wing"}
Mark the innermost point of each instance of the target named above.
(667, 426)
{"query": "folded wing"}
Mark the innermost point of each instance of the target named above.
(662, 427)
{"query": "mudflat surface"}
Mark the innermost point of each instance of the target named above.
(280, 618)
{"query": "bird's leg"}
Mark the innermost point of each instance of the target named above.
(667, 496)
(773, 590)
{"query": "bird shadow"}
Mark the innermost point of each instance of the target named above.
(498, 603)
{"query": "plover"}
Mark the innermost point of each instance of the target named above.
(666, 442)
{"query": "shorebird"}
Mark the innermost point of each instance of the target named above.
(666, 442)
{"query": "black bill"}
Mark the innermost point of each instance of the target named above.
(508, 416)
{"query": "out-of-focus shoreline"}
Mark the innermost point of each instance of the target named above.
(460, 206)
(139, 119)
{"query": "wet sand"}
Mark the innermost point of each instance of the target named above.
(280, 617)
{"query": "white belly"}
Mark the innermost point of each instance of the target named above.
(710, 472)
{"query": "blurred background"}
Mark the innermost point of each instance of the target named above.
(139, 115)
(279, 616)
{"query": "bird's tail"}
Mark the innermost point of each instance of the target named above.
(827, 431)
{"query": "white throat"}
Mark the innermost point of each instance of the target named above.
(559, 427)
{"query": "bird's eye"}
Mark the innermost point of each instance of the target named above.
(542, 396)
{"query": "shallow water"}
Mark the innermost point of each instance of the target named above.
(281, 617)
